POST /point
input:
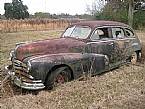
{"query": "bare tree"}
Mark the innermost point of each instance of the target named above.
(130, 12)
(133, 6)
(95, 7)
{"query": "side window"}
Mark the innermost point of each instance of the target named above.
(100, 33)
(129, 32)
(118, 32)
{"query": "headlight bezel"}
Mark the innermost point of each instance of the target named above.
(29, 66)
(11, 54)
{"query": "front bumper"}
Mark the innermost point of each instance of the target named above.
(34, 85)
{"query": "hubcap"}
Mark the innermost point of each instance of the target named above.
(61, 78)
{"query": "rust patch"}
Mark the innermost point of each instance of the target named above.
(55, 46)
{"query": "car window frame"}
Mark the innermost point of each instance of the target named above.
(117, 37)
(109, 34)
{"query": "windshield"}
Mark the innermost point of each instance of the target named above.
(77, 32)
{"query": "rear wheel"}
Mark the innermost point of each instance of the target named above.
(58, 77)
(135, 57)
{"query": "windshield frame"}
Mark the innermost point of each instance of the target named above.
(83, 26)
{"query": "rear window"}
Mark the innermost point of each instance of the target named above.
(129, 32)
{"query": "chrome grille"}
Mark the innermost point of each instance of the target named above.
(18, 65)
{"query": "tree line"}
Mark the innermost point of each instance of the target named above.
(127, 11)
(131, 12)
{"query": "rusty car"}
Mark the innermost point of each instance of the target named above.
(85, 47)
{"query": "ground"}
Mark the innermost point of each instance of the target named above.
(122, 88)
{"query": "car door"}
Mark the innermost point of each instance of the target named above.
(122, 44)
(101, 43)
(132, 40)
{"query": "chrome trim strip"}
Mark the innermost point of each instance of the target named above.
(28, 86)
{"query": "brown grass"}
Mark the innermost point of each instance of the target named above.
(32, 24)
(123, 88)
(8, 41)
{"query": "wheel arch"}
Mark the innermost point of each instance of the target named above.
(59, 66)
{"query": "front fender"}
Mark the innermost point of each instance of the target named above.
(79, 63)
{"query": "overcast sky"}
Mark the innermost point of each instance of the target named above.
(53, 6)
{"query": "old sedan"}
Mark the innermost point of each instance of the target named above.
(87, 47)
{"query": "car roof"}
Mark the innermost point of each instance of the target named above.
(98, 23)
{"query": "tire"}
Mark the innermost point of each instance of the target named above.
(58, 77)
(134, 58)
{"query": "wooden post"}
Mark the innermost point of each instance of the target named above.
(130, 12)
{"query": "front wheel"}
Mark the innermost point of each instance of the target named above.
(58, 77)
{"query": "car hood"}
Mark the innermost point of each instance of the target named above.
(53, 46)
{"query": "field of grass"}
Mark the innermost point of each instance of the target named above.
(8, 41)
(122, 88)
(32, 25)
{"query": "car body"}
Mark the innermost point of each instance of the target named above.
(86, 47)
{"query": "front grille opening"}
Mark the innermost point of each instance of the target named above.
(18, 65)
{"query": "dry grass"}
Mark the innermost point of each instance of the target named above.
(123, 88)
(8, 41)
(32, 24)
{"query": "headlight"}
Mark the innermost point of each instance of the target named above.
(29, 66)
